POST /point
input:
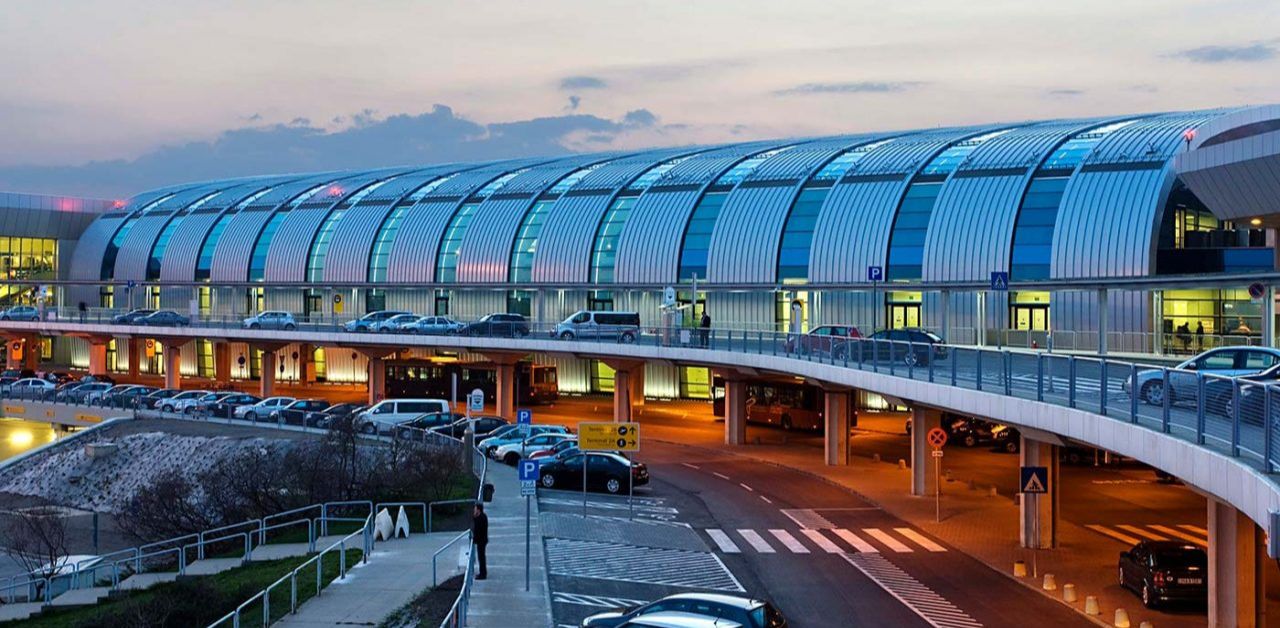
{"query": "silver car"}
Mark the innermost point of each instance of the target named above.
(1226, 361)
(271, 319)
(397, 323)
(435, 326)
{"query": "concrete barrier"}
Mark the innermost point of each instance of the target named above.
(1020, 568)
(1069, 592)
(1122, 618)
(1091, 606)
(1050, 583)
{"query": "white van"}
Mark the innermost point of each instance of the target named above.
(389, 413)
(622, 326)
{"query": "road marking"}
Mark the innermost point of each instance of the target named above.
(855, 541)
(722, 540)
(746, 487)
(1203, 532)
(921, 539)
(596, 601)
(890, 542)
(603, 505)
(1105, 531)
(1142, 533)
(1181, 535)
(691, 466)
(646, 565)
(922, 600)
(766, 499)
(756, 541)
(720, 475)
(822, 542)
(808, 518)
(792, 544)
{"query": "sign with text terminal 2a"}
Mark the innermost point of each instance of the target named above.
(609, 436)
(1034, 480)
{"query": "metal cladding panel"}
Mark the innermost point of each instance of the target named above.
(619, 172)
(486, 248)
(179, 263)
(701, 169)
(1024, 146)
(754, 311)
(354, 234)
(1239, 179)
(413, 254)
(801, 160)
(908, 153)
(135, 251)
(564, 248)
(1107, 223)
(288, 254)
(542, 177)
(649, 246)
(747, 234)
(86, 262)
(852, 231)
(971, 230)
(855, 308)
(233, 250)
(469, 182)
(1152, 139)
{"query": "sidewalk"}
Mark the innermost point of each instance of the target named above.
(501, 600)
(397, 571)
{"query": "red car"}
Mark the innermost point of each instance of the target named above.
(823, 339)
(555, 450)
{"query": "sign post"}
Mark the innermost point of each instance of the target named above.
(1034, 482)
(875, 274)
(528, 488)
(619, 437)
(937, 438)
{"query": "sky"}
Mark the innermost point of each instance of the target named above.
(111, 97)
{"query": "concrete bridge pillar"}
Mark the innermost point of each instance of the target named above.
(735, 412)
(922, 420)
(222, 362)
(1103, 312)
(135, 357)
(1038, 513)
(625, 375)
(98, 355)
(377, 373)
(836, 412)
(504, 366)
(306, 363)
(267, 376)
(1236, 558)
(173, 362)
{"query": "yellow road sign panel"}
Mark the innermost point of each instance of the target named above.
(609, 436)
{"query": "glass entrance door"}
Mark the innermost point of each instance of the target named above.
(1030, 318)
(904, 315)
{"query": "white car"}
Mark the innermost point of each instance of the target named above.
(389, 413)
(30, 388)
(271, 319)
(397, 323)
(263, 409)
(186, 404)
(181, 400)
(511, 453)
(1225, 361)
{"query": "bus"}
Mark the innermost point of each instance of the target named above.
(789, 405)
(535, 383)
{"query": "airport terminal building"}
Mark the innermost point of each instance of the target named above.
(1152, 227)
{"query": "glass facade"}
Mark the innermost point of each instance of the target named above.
(451, 244)
(205, 261)
(386, 238)
(1195, 320)
(324, 235)
(162, 241)
(604, 244)
(118, 238)
(24, 259)
(258, 261)
(526, 245)
(797, 235)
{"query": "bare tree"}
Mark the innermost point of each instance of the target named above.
(36, 539)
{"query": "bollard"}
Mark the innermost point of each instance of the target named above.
(993, 492)
(1020, 568)
(1068, 592)
(902, 464)
(1122, 618)
(1091, 605)
(1050, 583)
(947, 474)
(1146, 624)
(875, 457)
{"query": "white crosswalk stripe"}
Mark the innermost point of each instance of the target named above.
(649, 565)
(597, 601)
(827, 541)
(889, 541)
(756, 541)
(723, 541)
(1131, 534)
(922, 600)
(821, 541)
(789, 541)
(920, 539)
(808, 518)
(856, 541)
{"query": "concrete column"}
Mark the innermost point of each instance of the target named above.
(1157, 326)
(1038, 514)
(173, 365)
(98, 356)
(637, 387)
(922, 420)
(944, 315)
(135, 356)
(1236, 559)
(622, 396)
(980, 328)
(267, 381)
(837, 406)
(306, 366)
(31, 353)
(221, 362)
(1269, 317)
(1103, 307)
(505, 371)
(377, 379)
(735, 412)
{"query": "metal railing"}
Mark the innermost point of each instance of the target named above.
(457, 615)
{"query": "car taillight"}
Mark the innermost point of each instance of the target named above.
(1160, 578)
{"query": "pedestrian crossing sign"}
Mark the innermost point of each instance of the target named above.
(1034, 480)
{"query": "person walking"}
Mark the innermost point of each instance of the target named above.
(83, 308)
(704, 328)
(480, 538)
(1200, 336)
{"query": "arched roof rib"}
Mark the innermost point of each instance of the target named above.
(135, 251)
(234, 247)
(179, 261)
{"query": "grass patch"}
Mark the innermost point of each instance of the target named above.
(200, 601)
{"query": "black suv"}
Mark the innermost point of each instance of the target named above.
(1165, 571)
(299, 411)
(507, 325)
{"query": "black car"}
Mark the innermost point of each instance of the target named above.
(57, 377)
(163, 318)
(326, 417)
(297, 412)
(484, 426)
(913, 347)
(971, 432)
(605, 471)
(507, 325)
(131, 317)
(153, 399)
(742, 611)
(1219, 399)
(97, 377)
(225, 407)
(1165, 571)
(428, 421)
(1007, 439)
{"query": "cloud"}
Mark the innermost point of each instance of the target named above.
(1252, 53)
(856, 87)
(439, 135)
(582, 82)
(1064, 93)
(574, 102)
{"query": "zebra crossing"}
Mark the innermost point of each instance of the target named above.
(1131, 534)
(922, 600)
(645, 565)
(896, 540)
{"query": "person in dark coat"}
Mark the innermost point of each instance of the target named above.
(704, 327)
(480, 537)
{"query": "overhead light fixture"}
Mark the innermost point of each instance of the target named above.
(1255, 221)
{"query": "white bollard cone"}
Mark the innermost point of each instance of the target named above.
(1020, 568)
(1091, 606)
(1050, 583)
(1146, 624)
(1122, 618)
(1068, 592)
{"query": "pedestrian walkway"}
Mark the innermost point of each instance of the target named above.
(397, 571)
(1133, 534)
(501, 600)
(825, 541)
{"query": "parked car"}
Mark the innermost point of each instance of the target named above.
(434, 326)
(20, 313)
(130, 397)
(61, 393)
(366, 322)
(970, 432)
(395, 324)
(152, 400)
(88, 393)
(177, 402)
(57, 377)
(131, 317)
(271, 319)
(326, 418)
(677, 619)
(191, 405)
(109, 397)
(226, 406)
(29, 388)
(1165, 571)
(296, 413)
(823, 340)
(428, 421)
(620, 326)
(747, 612)
(1007, 439)
(605, 471)
(163, 318)
(98, 377)
(485, 425)
(565, 445)
(1228, 361)
(913, 347)
(262, 409)
(1219, 395)
(505, 325)
(511, 453)
(389, 413)
(503, 436)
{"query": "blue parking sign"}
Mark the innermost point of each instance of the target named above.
(529, 470)
(875, 273)
(524, 416)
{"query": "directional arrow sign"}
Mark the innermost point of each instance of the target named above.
(609, 436)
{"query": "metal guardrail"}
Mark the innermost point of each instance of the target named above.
(457, 615)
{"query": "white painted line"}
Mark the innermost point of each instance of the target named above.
(746, 487)
(1142, 533)
(766, 499)
(855, 541)
(722, 540)
(808, 518)
(889, 541)
(822, 542)
(729, 573)
(756, 541)
(1105, 531)
(720, 475)
(1197, 529)
(691, 466)
(934, 609)
(1182, 535)
(792, 544)
(921, 539)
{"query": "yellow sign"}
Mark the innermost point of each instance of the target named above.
(151, 348)
(15, 352)
(609, 436)
(14, 410)
(89, 418)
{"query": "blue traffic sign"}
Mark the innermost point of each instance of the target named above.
(524, 416)
(131, 284)
(999, 280)
(529, 470)
(1034, 480)
(875, 273)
